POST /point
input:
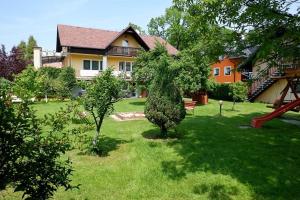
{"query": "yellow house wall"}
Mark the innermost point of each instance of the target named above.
(131, 41)
(114, 61)
(274, 92)
(76, 61)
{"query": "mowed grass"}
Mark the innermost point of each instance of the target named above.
(213, 159)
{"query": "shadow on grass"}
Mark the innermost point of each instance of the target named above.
(267, 159)
(138, 103)
(155, 134)
(104, 146)
(217, 191)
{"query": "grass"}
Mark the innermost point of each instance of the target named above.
(213, 159)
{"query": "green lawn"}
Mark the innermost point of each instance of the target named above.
(213, 159)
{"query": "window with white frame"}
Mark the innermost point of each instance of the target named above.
(216, 71)
(93, 65)
(125, 66)
(227, 70)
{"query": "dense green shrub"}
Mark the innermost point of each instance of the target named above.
(51, 72)
(227, 91)
(26, 85)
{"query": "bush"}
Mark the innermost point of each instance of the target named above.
(51, 72)
(227, 91)
(25, 85)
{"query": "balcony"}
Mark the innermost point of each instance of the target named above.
(123, 51)
(89, 73)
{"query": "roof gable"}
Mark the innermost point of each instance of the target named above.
(91, 38)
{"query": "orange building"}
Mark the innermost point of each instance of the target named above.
(225, 71)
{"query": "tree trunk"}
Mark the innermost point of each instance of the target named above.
(163, 131)
(46, 98)
(98, 126)
(233, 104)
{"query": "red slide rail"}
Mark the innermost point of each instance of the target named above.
(258, 121)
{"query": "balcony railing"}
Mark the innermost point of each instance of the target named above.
(123, 51)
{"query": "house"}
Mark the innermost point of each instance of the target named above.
(276, 84)
(90, 51)
(225, 70)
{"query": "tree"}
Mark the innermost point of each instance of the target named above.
(29, 49)
(45, 84)
(164, 105)
(30, 158)
(22, 48)
(173, 27)
(238, 91)
(139, 29)
(102, 93)
(67, 76)
(12, 63)
(65, 82)
(25, 85)
(157, 27)
(267, 25)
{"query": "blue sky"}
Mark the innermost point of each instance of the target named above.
(39, 18)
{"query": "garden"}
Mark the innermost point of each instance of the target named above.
(59, 143)
(209, 157)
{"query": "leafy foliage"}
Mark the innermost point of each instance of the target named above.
(137, 28)
(27, 48)
(12, 63)
(164, 105)
(31, 158)
(238, 91)
(171, 26)
(25, 84)
(267, 25)
(102, 93)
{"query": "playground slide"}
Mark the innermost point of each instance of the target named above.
(258, 121)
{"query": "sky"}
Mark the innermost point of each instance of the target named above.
(20, 19)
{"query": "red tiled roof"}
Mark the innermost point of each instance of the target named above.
(99, 39)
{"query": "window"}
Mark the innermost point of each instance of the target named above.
(121, 66)
(128, 66)
(125, 66)
(86, 64)
(92, 65)
(216, 71)
(95, 65)
(227, 71)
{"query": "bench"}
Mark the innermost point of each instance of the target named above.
(190, 105)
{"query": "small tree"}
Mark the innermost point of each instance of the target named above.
(102, 93)
(25, 85)
(45, 84)
(238, 91)
(164, 105)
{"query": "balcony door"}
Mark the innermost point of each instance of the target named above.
(125, 45)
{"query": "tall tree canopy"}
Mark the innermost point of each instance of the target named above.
(11, 63)
(137, 28)
(27, 48)
(268, 25)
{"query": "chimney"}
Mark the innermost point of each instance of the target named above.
(37, 57)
